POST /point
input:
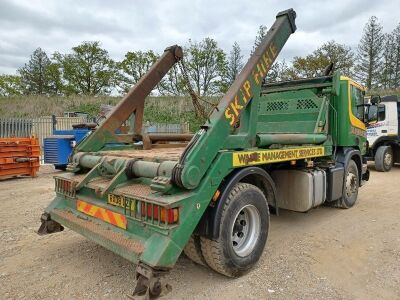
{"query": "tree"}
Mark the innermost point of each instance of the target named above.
(261, 33)
(386, 79)
(340, 55)
(279, 71)
(55, 82)
(38, 76)
(10, 85)
(205, 66)
(172, 84)
(134, 66)
(370, 53)
(87, 70)
(234, 65)
(396, 57)
(314, 64)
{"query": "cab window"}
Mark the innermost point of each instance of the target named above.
(381, 113)
(357, 102)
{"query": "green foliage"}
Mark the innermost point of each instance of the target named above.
(279, 71)
(206, 64)
(261, 33)
(134, 66)
(390, 73)
(10, 85)
(54, 75)
(384, 92)
(314, 64)
(88, 70)
(234, 66)
(40, 75)
(172, 83)
(90, 108)
(157, 109)
(172, 110)
(370, 53)
(396, 57)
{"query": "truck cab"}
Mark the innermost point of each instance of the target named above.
(351, 125)
(383, 134)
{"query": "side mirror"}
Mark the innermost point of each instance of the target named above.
(375, 100)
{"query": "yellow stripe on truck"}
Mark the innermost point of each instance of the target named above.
(257, 157)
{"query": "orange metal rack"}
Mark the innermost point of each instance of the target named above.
(19, 156)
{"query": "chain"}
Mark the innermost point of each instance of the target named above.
(199, 109)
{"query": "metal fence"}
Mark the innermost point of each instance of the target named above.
(44, 126)
(38, 127)
(166, 128)
(14, 127)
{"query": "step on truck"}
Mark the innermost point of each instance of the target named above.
(264, 147)
(383, 135)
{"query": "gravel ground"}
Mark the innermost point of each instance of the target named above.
(326, 253)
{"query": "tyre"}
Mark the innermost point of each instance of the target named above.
(384, 158)
(243, 232)
(350, 187)
(193, 250)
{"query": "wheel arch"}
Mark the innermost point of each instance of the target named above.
(344, 155)
(209, 224)
(391, 141)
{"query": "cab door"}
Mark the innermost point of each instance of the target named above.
(391, 118)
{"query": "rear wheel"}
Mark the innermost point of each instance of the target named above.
(193, 250)
(243, 232)
(350, 187)
(384, 159)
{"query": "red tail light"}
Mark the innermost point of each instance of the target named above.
(156, 212)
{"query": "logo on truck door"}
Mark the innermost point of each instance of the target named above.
(248, 158)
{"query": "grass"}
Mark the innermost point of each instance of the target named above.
(157, 109)
(384, 92)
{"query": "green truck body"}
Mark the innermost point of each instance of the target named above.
(148, 202)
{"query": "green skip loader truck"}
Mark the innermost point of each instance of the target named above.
(150, 196)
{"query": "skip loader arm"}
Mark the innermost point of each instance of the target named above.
(133, 102)
(230, 126)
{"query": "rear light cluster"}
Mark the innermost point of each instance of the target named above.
(65, 187)
(151, 213)
(166, 215)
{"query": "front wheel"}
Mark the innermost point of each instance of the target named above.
(384, 159)
(243, 232)
(350, 186)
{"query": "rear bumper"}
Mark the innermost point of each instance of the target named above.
(130, 249)
(137, 243)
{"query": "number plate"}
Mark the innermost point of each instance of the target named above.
(120, 201)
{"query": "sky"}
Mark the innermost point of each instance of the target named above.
(132, 25)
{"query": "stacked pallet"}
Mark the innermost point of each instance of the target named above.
(19, 156)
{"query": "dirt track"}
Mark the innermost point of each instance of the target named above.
(326, 253)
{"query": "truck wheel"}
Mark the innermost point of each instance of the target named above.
(193, 250)
(350, 187)
(243, 232)
(384, 159)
